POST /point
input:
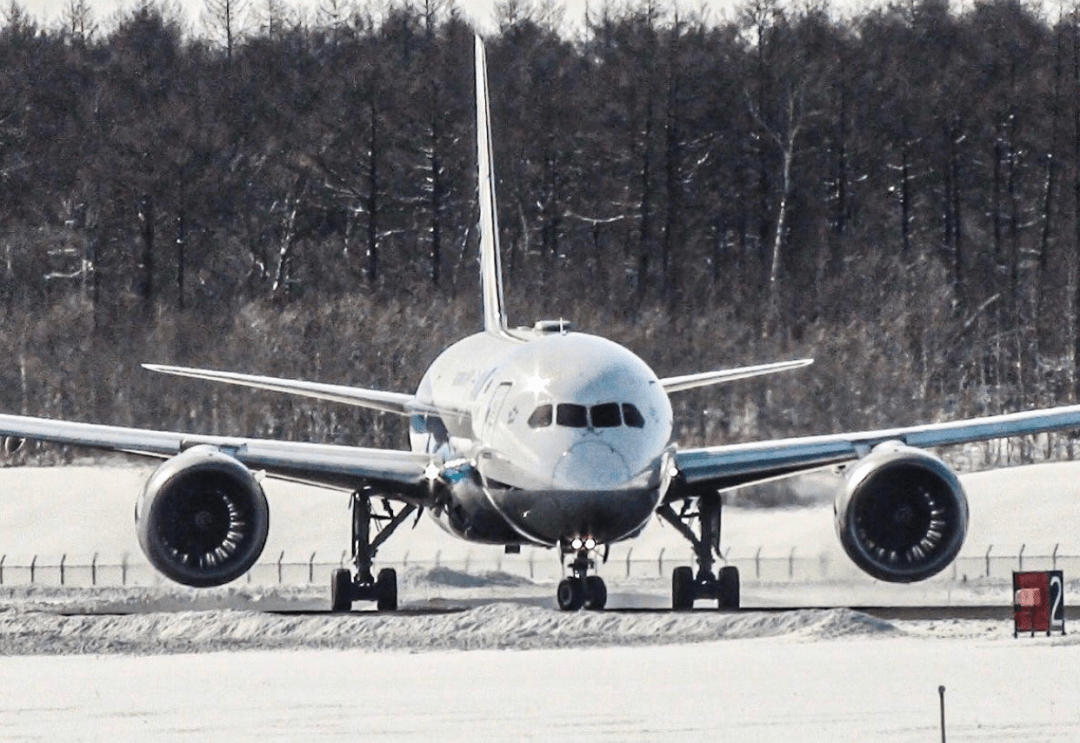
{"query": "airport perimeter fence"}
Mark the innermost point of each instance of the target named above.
(537, 565)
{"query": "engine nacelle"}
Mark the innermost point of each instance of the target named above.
(202, 519)
(902, 515)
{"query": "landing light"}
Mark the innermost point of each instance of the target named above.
(432, 472)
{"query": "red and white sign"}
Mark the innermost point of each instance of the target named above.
(1038, 602)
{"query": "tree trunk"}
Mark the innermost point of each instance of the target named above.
(181, 260)
(146, 262)
(288, 240)
(371, 270)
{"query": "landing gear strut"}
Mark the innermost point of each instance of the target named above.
(581, 590)
(359, 584)
(686, 587)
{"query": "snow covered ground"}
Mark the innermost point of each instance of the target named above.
(501, 662)
(533, 673)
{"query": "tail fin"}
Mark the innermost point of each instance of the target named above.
(490, 270)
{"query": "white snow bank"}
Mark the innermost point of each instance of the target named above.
(493, 626)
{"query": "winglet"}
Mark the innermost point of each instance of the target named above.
(490, 270)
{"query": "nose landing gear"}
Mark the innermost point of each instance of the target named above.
(581, 590)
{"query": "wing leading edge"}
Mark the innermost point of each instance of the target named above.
(734, 465)
(401, 472)
(398, 403)
(702, 379)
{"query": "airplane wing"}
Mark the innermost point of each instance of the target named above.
(689, 381)
(734, 465)
(400, 472)
(386, 402)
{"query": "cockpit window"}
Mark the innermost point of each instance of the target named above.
(541, 417)
(572, 416)
(633, 416)
(606, 415)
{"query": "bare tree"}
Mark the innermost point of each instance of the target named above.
(78, 20)
(785, 139)
(224, 21)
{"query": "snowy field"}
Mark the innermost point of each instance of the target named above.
(484, 655)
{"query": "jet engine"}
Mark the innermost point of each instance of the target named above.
(202, 518)
(902, 514)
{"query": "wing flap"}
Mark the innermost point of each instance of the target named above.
(741, 464)
(346, 466)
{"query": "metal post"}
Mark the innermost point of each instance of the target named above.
(63, 559)
(1021, 558)
(988, 560)
(2, 569)
(281, 558)
(757, 564)
(93, 569)
(311, 569)
(33, 568)
(1055, 559)
(629, 553)
(660, 563)
(123, 570)
(941, 693)
(791, 564)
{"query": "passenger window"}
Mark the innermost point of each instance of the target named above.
(633, 416)
(606, 415)
(541, 417)
(572, 416)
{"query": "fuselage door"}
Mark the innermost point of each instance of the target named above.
(495, 409)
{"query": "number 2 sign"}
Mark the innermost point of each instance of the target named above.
(1038, 602)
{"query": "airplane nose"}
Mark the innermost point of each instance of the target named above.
(590, 465)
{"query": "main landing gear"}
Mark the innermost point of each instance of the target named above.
(686, 587)
(581, 590)
(358, 584)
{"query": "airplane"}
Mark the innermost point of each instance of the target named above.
(538, 436)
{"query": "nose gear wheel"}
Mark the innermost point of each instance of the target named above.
(580, 590)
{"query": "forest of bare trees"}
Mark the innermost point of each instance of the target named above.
(895, 193)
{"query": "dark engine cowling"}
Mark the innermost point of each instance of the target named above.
(902, 515)
(202, 519)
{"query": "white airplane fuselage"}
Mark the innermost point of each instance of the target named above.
(558, 436)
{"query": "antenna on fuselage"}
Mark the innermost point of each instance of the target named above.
(490, 269)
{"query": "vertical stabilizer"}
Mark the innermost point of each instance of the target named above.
(490, 270)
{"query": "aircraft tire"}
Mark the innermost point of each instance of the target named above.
(682, 589)
(729, 587)
(570, 594)
(595, 593)
(386, 590)
(341, 591)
